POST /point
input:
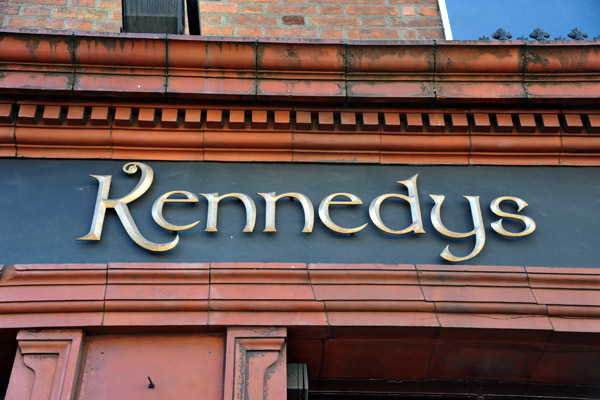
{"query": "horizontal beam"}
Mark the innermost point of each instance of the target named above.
(443, 322)
(344, 72)
(460, 136)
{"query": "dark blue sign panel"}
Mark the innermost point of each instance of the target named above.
(45, 205)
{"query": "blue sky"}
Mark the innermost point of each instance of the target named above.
(470, 19)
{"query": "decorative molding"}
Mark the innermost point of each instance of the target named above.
(255, 364)
(219, 294)
(294, 70)
(337, 315)
(46, 365)
(294, 134)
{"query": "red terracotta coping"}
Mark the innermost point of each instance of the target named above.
(498, 136)
(298, 70)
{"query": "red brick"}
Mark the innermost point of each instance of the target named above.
(116, 16)
(373, 33)
(334, 21)
(327, 9)
(211, 19)
(252, 19)
(80, 13)
(77, 25)
(17, 22)
(215, 7)
(248, 31)
(292, 20)
(110, 26)
(42, 2)
(371, 10)
(291, 9)
(290, 32)
(374, 21)
(38, 11)
(337, 1)
(429, 11)
(83, 3)
(109, 4)
(422, 34)
(409, 35)
(414, 22)
(408, 11)
(251, 9)
(332, 33)
(217, 30)
(9, 9)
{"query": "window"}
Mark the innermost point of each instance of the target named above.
(473, 19)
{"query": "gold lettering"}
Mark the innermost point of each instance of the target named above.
(157, 209)
(415, 209)
(270, 205)
(478, 229)
(324, 211)
(120, 206)
(497, 225)
(213, 208)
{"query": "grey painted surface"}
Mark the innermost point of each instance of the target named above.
(46, 204)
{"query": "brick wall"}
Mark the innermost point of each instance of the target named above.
(333, 19)
(81, 15)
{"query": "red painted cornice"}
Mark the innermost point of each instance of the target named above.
(440, 73)
(454, 322)
(127, 96)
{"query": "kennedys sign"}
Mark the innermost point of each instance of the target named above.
(408, 193)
